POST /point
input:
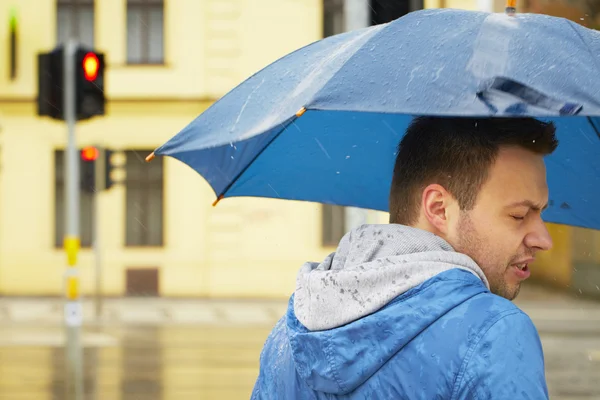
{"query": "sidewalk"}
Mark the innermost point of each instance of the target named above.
(550, 311)
(553, 311)
(146, 311)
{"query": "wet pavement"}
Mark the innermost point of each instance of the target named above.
(143, 363)
(216, 356)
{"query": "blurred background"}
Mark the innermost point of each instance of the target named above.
(179, 295)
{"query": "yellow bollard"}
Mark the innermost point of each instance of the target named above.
(72, 245)
(72, 289)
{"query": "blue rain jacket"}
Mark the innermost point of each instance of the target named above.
(447, 338)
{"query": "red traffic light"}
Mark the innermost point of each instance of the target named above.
(89, 154)
(91, 65)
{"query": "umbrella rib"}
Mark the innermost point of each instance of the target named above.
(593, 126)
(285, 125)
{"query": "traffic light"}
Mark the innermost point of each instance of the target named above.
(89, 83)
(96, 169)
(13, 44)
(89, 157)
(50, 99)
(104, 180)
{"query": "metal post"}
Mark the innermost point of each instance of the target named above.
(97, 252)
(485, 5)
(357, 16)
(100, 185)
(73, 308)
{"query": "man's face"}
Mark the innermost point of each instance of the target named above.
(504, 230)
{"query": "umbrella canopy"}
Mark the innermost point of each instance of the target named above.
(323, 123)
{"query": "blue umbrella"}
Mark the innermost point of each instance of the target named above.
(322, 124)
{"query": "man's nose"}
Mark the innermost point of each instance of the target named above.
(539, 238)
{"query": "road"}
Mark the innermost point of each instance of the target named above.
(219, 360)
(149, 363)
(572, 366)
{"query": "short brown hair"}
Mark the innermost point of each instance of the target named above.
(457, 154)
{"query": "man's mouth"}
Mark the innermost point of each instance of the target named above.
(522, 267)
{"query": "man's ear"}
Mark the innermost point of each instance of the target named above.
(435, 202)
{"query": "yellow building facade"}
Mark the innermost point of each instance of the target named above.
(243, 247)
(158, 232)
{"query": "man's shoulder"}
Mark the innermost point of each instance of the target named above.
(496, 328)
(504, 347)
(470, 308)
(487, 308)
(449, 348)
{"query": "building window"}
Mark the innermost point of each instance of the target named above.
(75, 19)
(144, 200)
(85, 205)
(333, 17)
(333, 217)
(384, 11)
(145, 21)
(333, 224)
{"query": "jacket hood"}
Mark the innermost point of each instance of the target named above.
(372, 265)
(384, 285)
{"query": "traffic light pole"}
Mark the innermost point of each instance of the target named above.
(73, 307)
(356, 16)
(97, 253)
(71, 88)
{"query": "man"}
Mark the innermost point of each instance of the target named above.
(420, 308)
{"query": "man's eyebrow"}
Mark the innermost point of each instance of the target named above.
(528, 203)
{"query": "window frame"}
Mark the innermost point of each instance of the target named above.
(144, 6)
(330, 9)
(74, 7)
(128, 243)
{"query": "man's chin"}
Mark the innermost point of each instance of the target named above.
(509, 293)
(515, 293)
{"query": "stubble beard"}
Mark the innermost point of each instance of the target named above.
(471, 243)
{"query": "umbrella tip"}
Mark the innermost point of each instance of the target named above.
(217, 200)
(511, 7)
(150, 157)
(301, 112)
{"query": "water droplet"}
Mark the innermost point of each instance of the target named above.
(232, 157)
(347, 157)
(337, 172)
